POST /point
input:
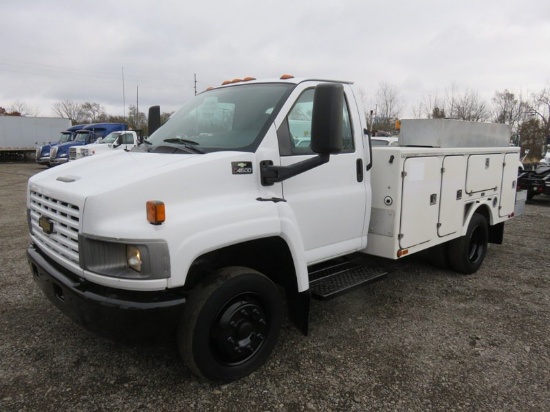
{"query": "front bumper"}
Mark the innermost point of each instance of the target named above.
(58, 161)
(44, 161)
(101, 309)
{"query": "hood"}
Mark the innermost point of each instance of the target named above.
(113, 186)
(95, 174)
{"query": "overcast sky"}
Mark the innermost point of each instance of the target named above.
(76, 50)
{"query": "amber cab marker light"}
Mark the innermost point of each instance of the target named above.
(402, 252)
(156, 212)
(286, 77)
(248, 79)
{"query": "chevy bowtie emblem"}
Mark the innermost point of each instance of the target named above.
(241, 168)
(46, 225)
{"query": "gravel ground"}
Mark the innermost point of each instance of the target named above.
(423, 339)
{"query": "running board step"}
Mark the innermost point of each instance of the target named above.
(329, 282)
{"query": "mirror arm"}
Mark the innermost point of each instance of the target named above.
(271, 174)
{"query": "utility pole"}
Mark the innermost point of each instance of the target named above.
(137, 105)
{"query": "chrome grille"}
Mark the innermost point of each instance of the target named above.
(84, 152)
(72, 153)
(53, 152)
(65, 218)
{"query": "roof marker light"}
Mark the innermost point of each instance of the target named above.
(286, 77)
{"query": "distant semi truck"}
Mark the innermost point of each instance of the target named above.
(89, 134)
(43, 152)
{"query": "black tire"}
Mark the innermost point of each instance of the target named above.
(466, 253)
(230, 324)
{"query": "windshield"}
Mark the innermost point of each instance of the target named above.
(232, 118)
(81, 136)
(65, 137)
(111, 137)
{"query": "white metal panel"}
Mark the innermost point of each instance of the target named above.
(484, 172)
(453, 133)
(420, 201)
(452, 195)
(509, 177)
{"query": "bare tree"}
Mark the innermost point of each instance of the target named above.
(532, 137)
(23, 109)
(540, 106)
(136, 120)
(93, 112)
(430, 107)
(467, 106)
(508, 109)
(540, 109)
(388, 105)
(70, 110)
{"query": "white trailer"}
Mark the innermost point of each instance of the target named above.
(20, 134)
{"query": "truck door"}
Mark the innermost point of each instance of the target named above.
(329, 202)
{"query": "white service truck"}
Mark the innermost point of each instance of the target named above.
(125, 140)
(225, 208)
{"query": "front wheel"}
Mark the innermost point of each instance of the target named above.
(230, 324)
(466, 253)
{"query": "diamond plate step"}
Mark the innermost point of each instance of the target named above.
(330, 281)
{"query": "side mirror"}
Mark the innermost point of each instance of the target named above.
(154, 119)
(327, 118)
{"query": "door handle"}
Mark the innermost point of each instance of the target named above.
(359, 167)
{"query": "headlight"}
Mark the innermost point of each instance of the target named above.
(127, 259)
(133, 258)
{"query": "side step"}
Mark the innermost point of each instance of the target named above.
(329, 281)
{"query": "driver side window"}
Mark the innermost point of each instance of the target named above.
(297, 127)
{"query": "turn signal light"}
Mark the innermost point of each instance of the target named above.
(402, 252)
(156, 212)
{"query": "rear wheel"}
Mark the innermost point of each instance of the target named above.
(466, 254)
(230, 324)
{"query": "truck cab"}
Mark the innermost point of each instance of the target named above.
(43, 152)
(88, 134)
(120, 140)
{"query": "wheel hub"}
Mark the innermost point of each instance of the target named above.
(239, 330)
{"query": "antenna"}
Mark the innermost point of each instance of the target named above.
(123, 94)
(195, 84)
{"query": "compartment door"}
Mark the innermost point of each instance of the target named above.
(420, 200)
(509, 178)
(484, 173)
(452, 195)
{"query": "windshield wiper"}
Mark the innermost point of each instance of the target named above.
(189, 144)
